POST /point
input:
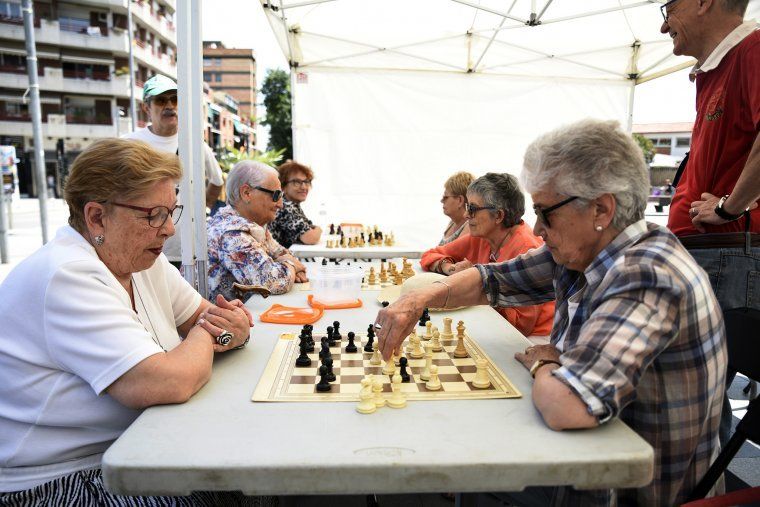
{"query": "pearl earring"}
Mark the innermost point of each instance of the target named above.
(599, 228)
(100, 239)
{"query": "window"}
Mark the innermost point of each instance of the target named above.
(207, 62)
(218, 78)
(207, 76)
(683, 142)
(10, 10)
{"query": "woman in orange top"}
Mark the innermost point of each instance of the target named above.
(497, 233)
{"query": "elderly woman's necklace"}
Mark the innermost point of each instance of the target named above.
(153, 335)
(494, 255)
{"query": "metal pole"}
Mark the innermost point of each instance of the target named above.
(132, 103)
(34, 107)
(3, 224)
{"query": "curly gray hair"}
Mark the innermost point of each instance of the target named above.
(502, 191)
(587, 159)
(246, 171)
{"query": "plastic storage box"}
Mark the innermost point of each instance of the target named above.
(334, 285)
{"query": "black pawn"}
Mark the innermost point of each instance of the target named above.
(404, 375)
(336, 331)
(371, 331)
(330, 336)
(370, 341)
(324, 261)
(351, 347)
(303, 359)
(330, 375)
(425, 317)
(385, 303)
(332, 229)
(324, 385)
(325, 352)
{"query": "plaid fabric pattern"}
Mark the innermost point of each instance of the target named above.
(646, 345)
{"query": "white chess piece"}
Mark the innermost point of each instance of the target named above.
(428, 331)
(434, 384)
(389, 368)
(366, 404)
(481, 380)
(397, 357)
(425, 375)
(416, 352)
(461, 350)
(447, 334)
(397, 399)
(376, 359)
(377, 389)
(410, 340)
(437, 347)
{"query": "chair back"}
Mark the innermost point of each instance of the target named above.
(743, 341)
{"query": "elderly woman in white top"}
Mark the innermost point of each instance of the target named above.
(97, 326)
(240, 247)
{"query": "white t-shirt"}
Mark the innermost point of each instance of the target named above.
(169, 144)
(68, 332)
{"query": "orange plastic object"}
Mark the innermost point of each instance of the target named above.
(278, 314)
(340, 306)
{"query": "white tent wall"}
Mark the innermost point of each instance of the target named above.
(382, 143)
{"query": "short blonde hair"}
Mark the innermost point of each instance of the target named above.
(111, 169)
(458, 182)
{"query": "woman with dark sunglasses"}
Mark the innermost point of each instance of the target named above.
(240, 247)
(494, 209)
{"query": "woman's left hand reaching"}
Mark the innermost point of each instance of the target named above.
(231, 316)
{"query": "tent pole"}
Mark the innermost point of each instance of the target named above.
(631, 94)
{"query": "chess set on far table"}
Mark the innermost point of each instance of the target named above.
(348, 235)
(339, 366)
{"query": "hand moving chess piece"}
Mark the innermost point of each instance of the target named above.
(481, 380)
(397, 399)
(434, 384)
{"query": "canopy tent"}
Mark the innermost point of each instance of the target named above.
(392, 96)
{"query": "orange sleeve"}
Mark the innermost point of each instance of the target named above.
(457, 250)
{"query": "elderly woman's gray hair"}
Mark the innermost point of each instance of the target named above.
(587, 159)
(502, 191)
(246, 172)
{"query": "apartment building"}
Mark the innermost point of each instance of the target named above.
(82, 50)
(233, 72)
(671, 139)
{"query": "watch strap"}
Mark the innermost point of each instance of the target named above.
(725, 215)
(542, 362)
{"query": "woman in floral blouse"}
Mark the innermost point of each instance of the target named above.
(240, 248)
(291, 225)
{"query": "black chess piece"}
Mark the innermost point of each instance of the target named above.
(325, 352)
(370, 341)
(385, 303)
(303, 359)
(371, 331)
(405, 377)
(330, 375)
(324, 261)
(425, 317)
(339, 231)
(351, 347)
(324, 385)
(332, 229)
(330, 336)
(336, 331)
(309, 342)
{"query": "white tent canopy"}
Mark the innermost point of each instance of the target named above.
(392, 96)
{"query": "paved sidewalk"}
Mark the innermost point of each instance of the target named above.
(26, 234)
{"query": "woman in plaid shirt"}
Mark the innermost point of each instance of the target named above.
(638, 334)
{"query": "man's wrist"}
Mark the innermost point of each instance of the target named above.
(725, 211)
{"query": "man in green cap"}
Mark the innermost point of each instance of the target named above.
(160, 104)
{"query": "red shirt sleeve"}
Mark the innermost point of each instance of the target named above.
(455, 251)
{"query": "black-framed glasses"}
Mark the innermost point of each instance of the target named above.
(472, 209)
(276, 194)
(299, 183)
(162, 100)
(664, 9)
(157, 215)
(543, 213)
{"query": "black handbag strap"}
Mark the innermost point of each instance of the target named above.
(680, 170)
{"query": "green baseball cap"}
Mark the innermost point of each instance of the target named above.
(157, 85)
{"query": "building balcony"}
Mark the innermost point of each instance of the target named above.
(55, 125)
(50, 32)
(55, 80)
(155, 22)
(158, 62)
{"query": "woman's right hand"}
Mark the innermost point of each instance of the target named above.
(459, 266)
(226, 317)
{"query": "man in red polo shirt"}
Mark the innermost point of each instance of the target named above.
(721, 179)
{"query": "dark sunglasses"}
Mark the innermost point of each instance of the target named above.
(543, 213)
(157, 215)
(162, 100)
(276, 194)
(664, 9)
(472, 209)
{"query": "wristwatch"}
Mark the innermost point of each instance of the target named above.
(542, 362)
(725, 215)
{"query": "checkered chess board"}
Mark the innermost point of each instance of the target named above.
(284, 381)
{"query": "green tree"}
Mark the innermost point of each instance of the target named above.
(276, 90)
(647, 147)
(232, 156)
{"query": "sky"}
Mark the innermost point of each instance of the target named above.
(242, 24)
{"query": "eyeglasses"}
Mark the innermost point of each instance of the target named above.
(299, 183)
(157, 215)
(472, 209)
(162, 100)
(443, 199)
(276, 194)
(543, 213)
(664, 9)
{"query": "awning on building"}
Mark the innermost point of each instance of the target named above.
(240, 127)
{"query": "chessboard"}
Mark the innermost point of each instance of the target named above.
(284, 381)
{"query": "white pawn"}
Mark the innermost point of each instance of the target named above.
(367, 404)
(437, 347)
(397, 357)
(416, 352)
(428, 331)
(376, 359)
(481, 380)
(397, 399)
(425, 375)
(434, 384)
(389, 368)
(377, 389)
(410, 340)
(447, 333)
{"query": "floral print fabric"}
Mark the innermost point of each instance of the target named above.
(290, 223)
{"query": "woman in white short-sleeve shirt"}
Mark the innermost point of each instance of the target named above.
(97, 325)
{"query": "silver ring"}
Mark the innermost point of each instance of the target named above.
(224, 338)
(378, 326)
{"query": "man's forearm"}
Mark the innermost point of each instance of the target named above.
(747, 189)
(466, 290)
